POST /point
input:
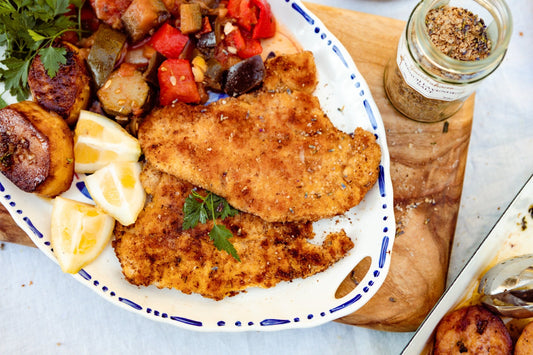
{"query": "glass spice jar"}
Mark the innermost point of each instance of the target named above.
(434, 70)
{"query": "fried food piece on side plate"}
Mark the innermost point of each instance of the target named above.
(275, 155)
(156, 251)
(524, 344)
(472, 330)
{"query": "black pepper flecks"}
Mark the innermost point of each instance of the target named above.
(458, 33)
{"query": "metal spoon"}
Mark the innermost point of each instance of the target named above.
(507, 288)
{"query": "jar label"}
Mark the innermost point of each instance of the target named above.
(422, 83)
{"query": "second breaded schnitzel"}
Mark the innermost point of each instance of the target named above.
(157, 251)
(273, 153)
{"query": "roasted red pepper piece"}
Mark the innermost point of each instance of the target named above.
(245, 13)
(234, 41)
(266, 24)
(169, 41)
(206, 26)
(176, 82)
(252, 46)
(241, 43)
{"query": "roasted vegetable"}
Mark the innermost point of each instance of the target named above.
(190, 18)
(244, 11)
(68, 91)
(242, 44)
(254, 16)
(266, 24)
(214, 74)
(176, 82)
(105, 53)
(142, 17)
(110, 11)
(150, 73)
(472, 330)
(207, 42)
(125, 92)
(244, 76)
(169, 41)
(36, 149)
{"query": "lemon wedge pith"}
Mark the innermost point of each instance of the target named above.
(117, 190)
(99, 140)
(79, 233)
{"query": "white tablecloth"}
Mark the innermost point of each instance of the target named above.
(43, 311)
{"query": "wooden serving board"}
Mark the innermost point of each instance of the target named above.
(427, 169)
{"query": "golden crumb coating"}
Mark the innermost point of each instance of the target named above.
(271, 153)
(157, 251)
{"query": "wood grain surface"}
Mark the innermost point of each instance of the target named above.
(427, 170)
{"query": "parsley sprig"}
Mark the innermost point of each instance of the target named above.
(29, 28)
(200, 209)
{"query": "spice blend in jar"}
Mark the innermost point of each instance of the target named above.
(458, 33)
(443, 54)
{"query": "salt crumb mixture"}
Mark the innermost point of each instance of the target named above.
(458, 33)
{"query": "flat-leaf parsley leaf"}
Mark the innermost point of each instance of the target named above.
(28, 29)
(200, 209)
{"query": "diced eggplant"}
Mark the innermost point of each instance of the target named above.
(188, 51)
(105, 53)
(142, 17)
(125, 93)
(244, 76)
(190, 18)
(214, 74)
(150, 73)
(207, 43)
(68, 92)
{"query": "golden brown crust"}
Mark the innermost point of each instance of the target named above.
(156, 250)
(472, 330)
(291, 72)
(68, 92)
(36, 147)
(275, 155)
(524, 344)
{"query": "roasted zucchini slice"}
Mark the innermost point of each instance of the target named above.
(125, 92)
(105, 53)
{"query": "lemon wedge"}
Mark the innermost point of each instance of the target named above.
(99, 140)
(79, 233)
(117, 189)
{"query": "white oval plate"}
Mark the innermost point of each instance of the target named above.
(346, 98)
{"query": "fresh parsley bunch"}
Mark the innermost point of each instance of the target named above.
(29, 28)
(200, 209)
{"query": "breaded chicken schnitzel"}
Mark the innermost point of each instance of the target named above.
(156, 250)
(273, 153)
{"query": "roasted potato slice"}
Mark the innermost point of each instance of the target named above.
(125, 92)
(472, 330)
(68, 92)
(36, 149)
(524, 344)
